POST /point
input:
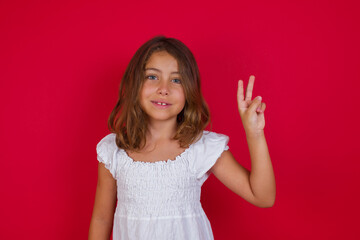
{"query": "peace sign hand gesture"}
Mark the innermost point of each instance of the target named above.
(251, 111)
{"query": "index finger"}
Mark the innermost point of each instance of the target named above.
(240, 92)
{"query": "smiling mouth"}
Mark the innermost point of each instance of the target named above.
(161, 103)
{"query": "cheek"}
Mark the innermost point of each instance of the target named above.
(182, 96)
(146, 91)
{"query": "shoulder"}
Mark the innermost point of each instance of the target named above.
(106, 147)
(108, 139)
(213, 135)
(106, 153)
(206, 151)
(107, 143)
(209, 137)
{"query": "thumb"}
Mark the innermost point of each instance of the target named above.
(255, 104)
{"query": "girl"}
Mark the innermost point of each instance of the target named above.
(153, 164)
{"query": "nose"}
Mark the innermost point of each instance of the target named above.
(163, 88)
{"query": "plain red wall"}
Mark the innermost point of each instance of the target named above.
(60, 69)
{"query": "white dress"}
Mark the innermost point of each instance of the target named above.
(161, 200)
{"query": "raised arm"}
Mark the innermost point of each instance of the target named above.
(258, 186)
(104, 206)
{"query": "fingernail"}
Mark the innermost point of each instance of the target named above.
(259, 97)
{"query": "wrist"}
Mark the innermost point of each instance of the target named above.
(255, 134)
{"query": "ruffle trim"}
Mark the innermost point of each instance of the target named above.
(179, 158)
(112, 157)
(106, 151)
(216, 142)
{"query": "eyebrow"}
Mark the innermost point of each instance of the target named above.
(158, 70)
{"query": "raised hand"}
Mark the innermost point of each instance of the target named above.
(251, 111)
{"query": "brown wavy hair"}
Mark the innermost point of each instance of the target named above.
(130, 122)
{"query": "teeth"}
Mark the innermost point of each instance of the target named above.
(163, 104)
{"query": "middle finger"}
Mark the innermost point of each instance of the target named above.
(249, 88)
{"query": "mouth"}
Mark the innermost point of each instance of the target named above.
(161, 103)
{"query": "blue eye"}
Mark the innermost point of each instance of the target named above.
(176, 80)
(151, 77)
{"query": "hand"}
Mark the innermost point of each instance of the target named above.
(251, 111)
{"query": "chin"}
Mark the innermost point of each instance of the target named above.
(162, 118)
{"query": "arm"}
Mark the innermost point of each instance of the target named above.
(258, 186)
(104, 206)
(262, 178)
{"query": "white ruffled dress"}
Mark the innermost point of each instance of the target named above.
(161, 200)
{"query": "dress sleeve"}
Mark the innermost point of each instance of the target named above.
(106, 153)
(208, 150)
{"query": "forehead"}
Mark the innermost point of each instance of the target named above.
(162, 59)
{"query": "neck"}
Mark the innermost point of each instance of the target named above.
(161, 130)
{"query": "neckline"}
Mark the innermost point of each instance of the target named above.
(168, 161)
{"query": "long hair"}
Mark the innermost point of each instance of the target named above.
(130, 122)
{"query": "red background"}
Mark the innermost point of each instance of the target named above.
(61, 64)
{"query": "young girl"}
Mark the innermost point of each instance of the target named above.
(153, 164)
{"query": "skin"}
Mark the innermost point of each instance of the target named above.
(104, 205)
(161, 83)
(257, 187)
